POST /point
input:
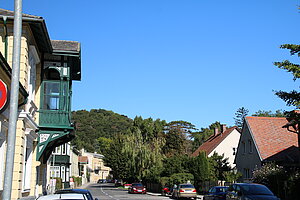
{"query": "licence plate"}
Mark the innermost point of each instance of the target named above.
(140, 190)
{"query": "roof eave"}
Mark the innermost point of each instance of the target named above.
(38, 27)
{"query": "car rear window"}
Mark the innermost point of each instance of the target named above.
(256, 189)
(222, 189)
(137, 185)
(187, 186)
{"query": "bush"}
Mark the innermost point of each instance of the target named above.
(181, 178)
(77, 181)
(58, 185)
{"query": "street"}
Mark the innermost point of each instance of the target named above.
(107, 191)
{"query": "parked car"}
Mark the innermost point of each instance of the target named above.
(166, 191)
(85, 192)
(216, 193)
(118, 182)
(137, 188)
(184, 191)
(63, 196)
(126, 185)
(251, 191)
(101, 181)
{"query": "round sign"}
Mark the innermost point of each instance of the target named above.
(3, 94)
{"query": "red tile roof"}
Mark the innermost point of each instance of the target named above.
(211, 143)
(83, 159)
(269, 135)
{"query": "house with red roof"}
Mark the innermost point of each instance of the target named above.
(223, 142)
(264, 139)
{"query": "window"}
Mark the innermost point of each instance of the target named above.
(250, 146)
(234, 150)
(244, 147)
(27, 164)
(33, 61)
(63, 173)
(54, 171)
(246, 173)
(64, 149)
(51, 95)
(57, 150)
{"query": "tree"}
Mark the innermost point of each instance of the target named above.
(178, 136)
(240, 115)
(263, 113)
(201, 169)
(291, 98)
(200, 137)
(220, 166)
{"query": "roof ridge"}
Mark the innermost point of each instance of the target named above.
(266, 117)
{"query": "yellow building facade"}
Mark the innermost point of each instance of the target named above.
(29, 173)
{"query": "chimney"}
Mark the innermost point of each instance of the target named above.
(216, 131)
(223, 128)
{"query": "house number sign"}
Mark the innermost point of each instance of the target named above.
(3, 95)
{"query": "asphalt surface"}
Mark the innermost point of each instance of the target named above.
(107, 191)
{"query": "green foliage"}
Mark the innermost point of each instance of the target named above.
(220, 165)
(178, 135)
(240, 115)
(104, 145)
(231, 176)
(268, 173)
(165, 181)
(58, 185)
(200, 137)
(263, 113)
(201, 168)
(77, 181)
(137, 155)
(116, 160)
(181, 178)
(175, 164)
(291, 98)
(97, 123)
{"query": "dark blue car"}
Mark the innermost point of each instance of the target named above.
(249, 191)
(216, 193)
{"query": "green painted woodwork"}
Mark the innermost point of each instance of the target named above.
(60, 159)
(55, 125)
(49, 139)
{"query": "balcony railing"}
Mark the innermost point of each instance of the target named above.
(57, 118)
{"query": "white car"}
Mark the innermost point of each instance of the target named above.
(63, 196)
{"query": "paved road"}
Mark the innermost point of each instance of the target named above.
(107, 191)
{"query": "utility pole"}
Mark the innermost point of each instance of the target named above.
(13, 107)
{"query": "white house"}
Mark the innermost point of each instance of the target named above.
(223, 142)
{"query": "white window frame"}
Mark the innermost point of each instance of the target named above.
(32, 62)
(54, 171)
(28, 151)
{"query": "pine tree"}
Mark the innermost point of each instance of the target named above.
(240, 115)
(291, 98)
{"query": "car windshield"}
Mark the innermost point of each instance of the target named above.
(222, 189)
(256, 189)
(137, 185)
(187, 186)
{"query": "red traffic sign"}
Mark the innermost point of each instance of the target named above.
(3, 94)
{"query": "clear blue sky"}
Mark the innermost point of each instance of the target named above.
(193, 60)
